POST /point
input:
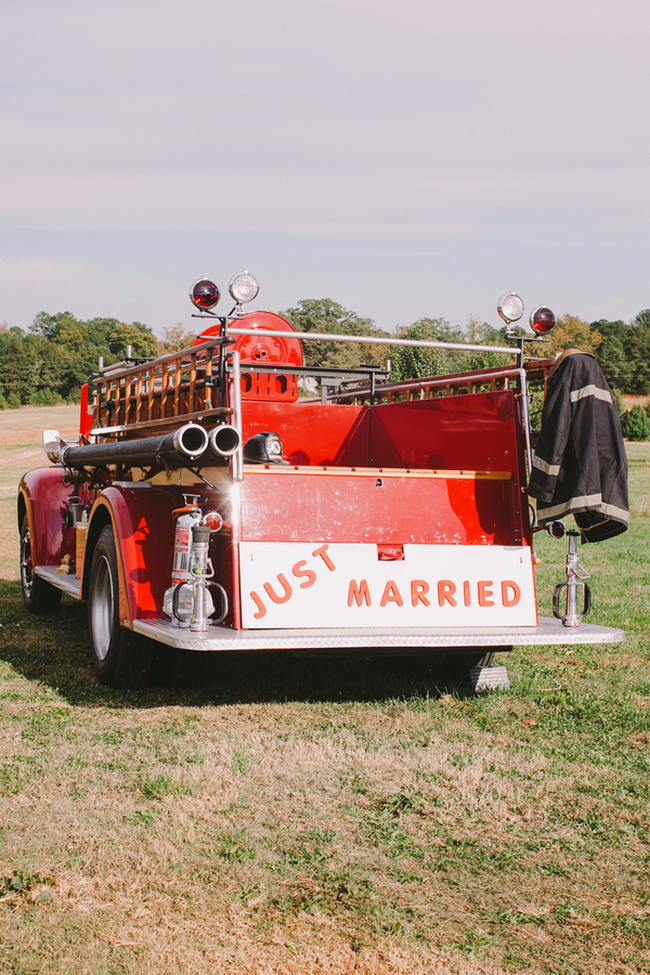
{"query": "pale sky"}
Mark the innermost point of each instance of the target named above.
(405, 159)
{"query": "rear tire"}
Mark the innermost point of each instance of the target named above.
(38, 595)
(119, 657)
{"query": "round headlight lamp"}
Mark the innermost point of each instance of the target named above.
(510, 307)
(243, 287)
(204, 294)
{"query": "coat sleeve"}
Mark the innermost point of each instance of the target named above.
(553, 439)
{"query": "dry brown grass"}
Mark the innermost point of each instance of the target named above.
(21, 450)
(325, 817)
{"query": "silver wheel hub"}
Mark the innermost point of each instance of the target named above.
(102, 608)
(26, 568)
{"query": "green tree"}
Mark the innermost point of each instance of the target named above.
(413, 363)
(635, 424)
(15, 368)
(572, 332)
(624, 354)
(140, 337)
(416, 363)
(325, 315)
(78, 345)
(175, 339)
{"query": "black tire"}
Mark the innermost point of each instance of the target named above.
(119, 657)
(38, 595)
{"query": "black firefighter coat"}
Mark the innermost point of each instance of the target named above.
(580, 467)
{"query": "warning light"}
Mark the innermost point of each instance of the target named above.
(542, 320)
(204, 294)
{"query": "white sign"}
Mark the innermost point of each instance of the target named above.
(311, 584)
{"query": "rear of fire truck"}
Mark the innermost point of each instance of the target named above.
(209, 505)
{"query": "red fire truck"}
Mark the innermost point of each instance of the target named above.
(211, 504)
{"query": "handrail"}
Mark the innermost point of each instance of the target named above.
(412, 385)
(457, 380)
(181, 384)
(374, 340)
(237, 459)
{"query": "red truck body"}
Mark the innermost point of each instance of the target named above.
(395, 516)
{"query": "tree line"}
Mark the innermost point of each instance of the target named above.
(49, 362)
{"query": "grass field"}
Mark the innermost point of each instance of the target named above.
(318, 815)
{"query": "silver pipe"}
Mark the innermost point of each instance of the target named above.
(238, 456)
(224, 440)
(526, 418)
(371, 340)
(418, 383)
(175, 450)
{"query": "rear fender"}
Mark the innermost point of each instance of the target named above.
(140, 516)
(101, 516)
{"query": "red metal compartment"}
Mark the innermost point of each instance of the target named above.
(382, 507)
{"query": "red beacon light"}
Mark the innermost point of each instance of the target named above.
(542, 320)
(204, 294)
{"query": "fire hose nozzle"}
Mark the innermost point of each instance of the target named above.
(576, 576)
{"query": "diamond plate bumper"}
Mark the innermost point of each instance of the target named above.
(548, 632)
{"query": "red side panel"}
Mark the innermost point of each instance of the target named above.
(312, 433)
(85, 418)
(479, 432)
(282, 505)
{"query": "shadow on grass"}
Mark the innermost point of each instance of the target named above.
(53, 651)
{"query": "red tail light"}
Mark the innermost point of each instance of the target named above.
(204, 294)
(542, 320)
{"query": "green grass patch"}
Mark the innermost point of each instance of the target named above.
(285, 815)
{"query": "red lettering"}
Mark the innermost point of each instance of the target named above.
(485, 592)
(306, 574)
(260, 605)
(358, 593)
(282, 579)
(509, 586)
(322, 552)
(419, 590)
(466, 592)
(446, 590)
(391, 594)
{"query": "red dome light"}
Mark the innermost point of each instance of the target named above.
(204, 294)
(542, 320)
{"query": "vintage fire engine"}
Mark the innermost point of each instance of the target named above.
(209, 504)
